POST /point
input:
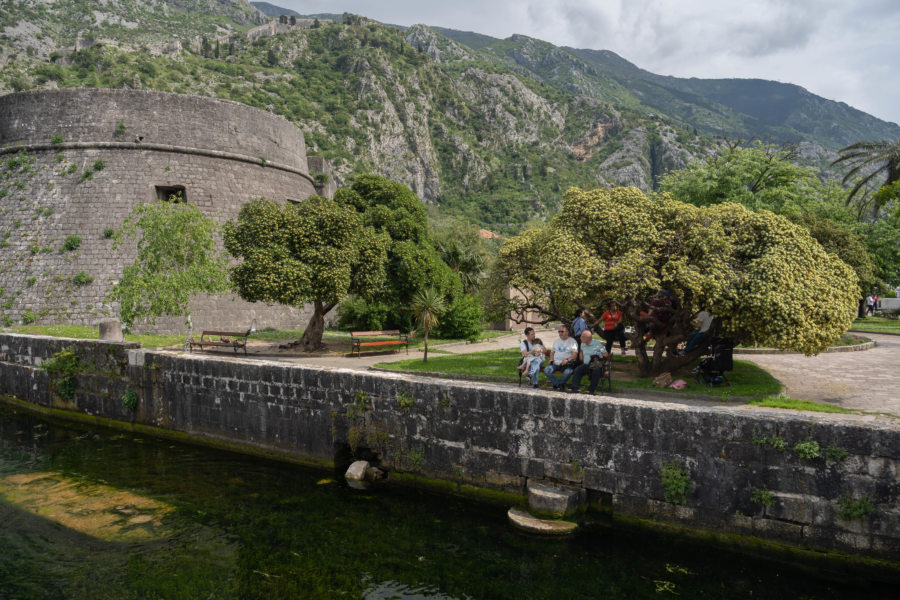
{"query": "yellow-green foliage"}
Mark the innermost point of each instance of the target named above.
(766, 280)
(298, 253)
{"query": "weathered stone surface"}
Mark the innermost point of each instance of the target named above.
(111, 330)
(88, 182)
(555, 501)
(357, 471)
(493, 437)
(526, 522)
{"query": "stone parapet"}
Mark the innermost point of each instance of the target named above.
(810, 480)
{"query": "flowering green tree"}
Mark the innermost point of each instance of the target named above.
(315, 251)
(176, 259)
(763, 277)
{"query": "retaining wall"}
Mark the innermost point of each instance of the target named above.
(498, 437)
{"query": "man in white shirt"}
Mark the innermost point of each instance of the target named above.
(562, 355)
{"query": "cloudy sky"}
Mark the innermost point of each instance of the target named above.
(846, 51)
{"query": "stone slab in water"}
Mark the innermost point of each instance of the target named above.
(554, 501)
(521, 519)
(357, 471)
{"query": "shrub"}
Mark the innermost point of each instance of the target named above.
(29, 317)
(762, 496)
(851, 509)
(462, 320)
(356, 314)
(808, 449)
(57, 138)
(72, 243)
(109, 232)
(130, 400)
(835, 454)
(676, 482)
(82, 278)
(405, 400)
(62, 368)
(86, 175)
(30, 281)
(99, 165)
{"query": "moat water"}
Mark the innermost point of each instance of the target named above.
(99, 514)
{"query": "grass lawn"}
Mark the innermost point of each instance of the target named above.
(747, 379)
(877, 325)
(80, 332)
(783, 401)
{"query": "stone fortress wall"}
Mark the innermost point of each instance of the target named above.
(74, 162)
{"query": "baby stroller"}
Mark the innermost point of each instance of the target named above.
(711, 370)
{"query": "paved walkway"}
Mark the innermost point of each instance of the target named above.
(867, 380)
(371, 358)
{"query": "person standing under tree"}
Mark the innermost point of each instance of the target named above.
(613, 327)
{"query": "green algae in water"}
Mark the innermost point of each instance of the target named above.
(177, 521)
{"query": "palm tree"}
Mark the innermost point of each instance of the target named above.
(427, 306)
(870, 159)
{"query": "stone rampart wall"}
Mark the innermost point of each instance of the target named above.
(95, 115)
(499, 437)
(87, 186)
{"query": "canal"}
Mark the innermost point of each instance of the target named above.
(99, 514)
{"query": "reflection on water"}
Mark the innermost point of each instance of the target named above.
(89, 513)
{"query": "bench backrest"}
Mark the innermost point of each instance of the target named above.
(227, 333)
(365, 333)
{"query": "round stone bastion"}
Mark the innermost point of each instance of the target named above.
(75, 162)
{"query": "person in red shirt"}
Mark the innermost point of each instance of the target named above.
(613, 327)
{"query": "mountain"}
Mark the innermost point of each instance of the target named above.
(493, 130)
(780, 111)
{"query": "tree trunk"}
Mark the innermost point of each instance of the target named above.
(426, 347)
(315, 329)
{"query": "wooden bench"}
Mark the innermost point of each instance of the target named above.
(227, 339)
(356, 338)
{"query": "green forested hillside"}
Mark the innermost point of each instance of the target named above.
(494, 130)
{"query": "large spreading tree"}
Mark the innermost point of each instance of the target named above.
(316, 251)
(764, 278)
(371, 241)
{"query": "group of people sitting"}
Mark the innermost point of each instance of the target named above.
(565, 356)
(577, 353)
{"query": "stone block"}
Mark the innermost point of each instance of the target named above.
(796, 508)
(555, 501)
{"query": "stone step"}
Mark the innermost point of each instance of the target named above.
(524, 521)
(555, 501)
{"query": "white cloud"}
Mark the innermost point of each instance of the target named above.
(845, 51)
